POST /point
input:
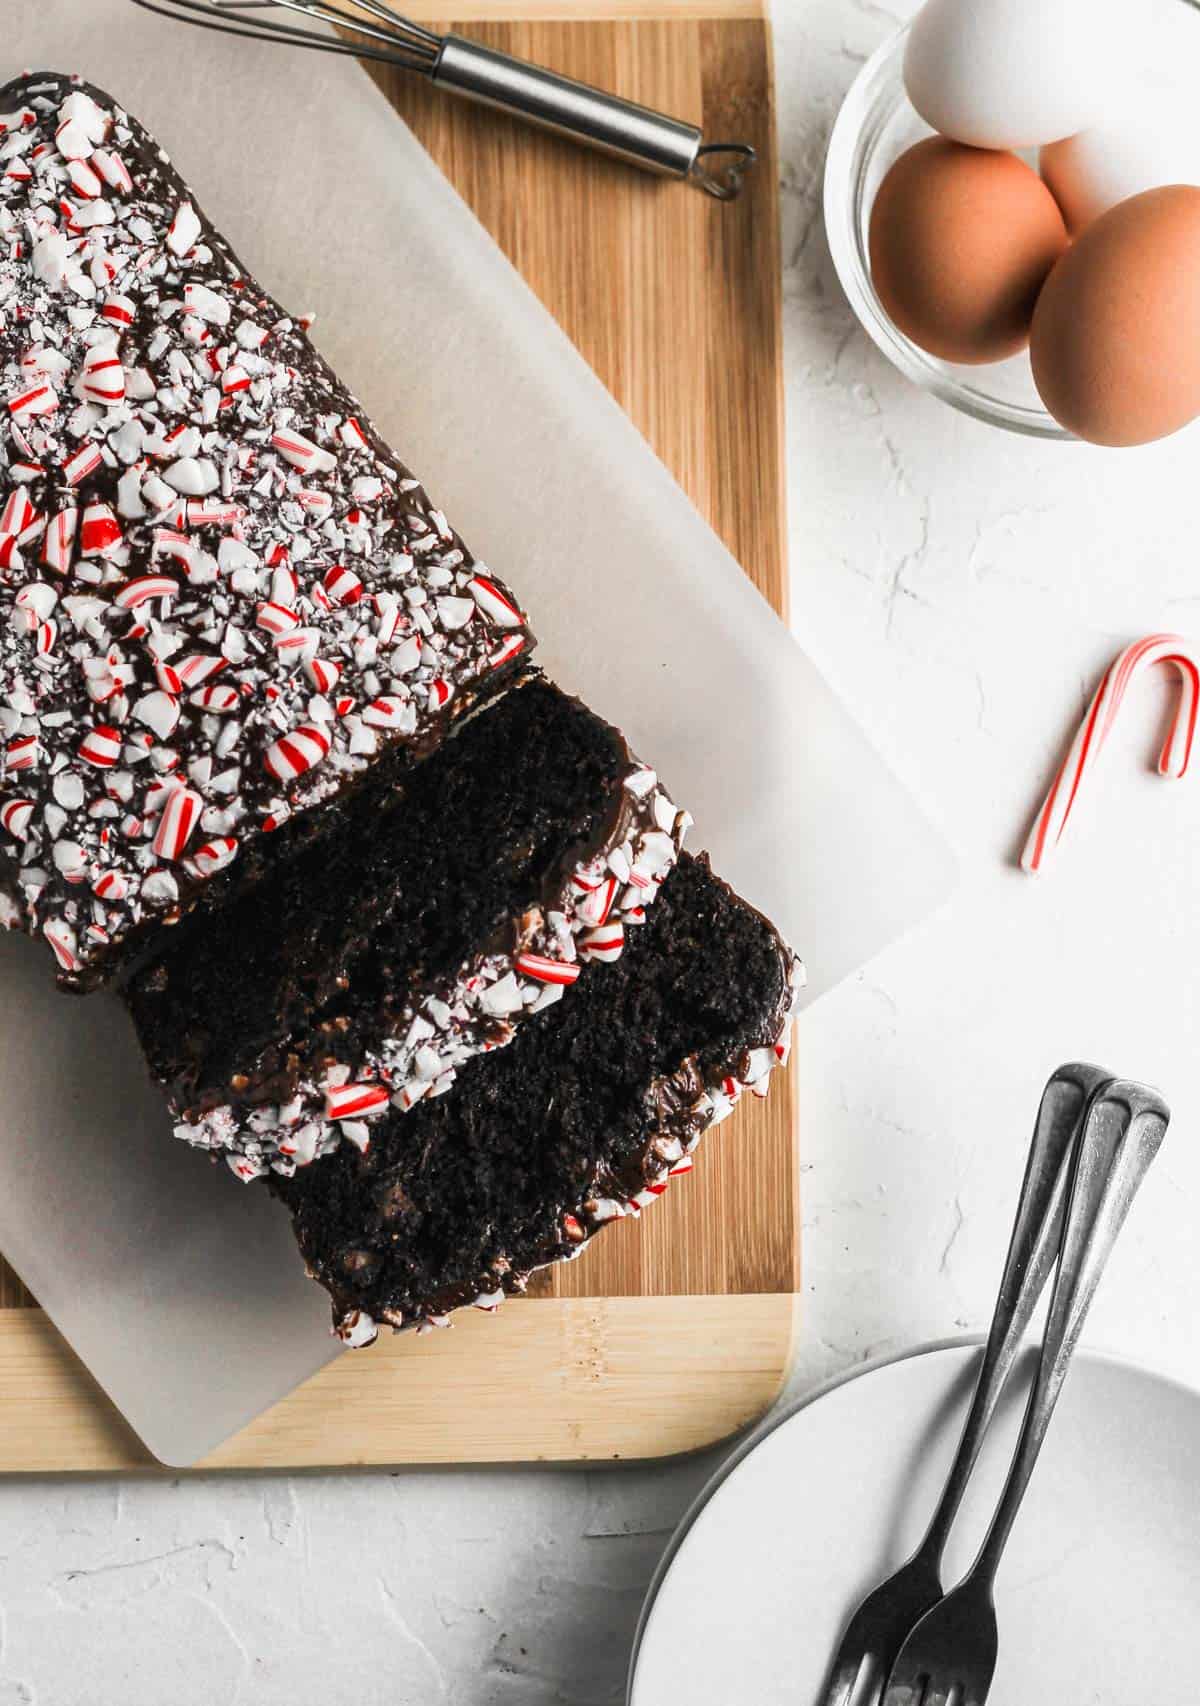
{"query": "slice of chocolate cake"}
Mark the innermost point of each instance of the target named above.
(450, 902)
(223, 598)
(582, 1120)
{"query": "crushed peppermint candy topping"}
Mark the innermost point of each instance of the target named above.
(176, 822)
(187, 492)
(357, 1329)
(61, 938)
(445, 1024)
(606, 943)
(355, 1101)
(545, 969)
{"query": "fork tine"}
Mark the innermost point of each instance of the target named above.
(841, 1684)
(904, 1690)
(871, 1678)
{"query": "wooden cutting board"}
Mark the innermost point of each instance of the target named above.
(675, 1329)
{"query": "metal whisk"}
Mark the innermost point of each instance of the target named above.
(634, 133)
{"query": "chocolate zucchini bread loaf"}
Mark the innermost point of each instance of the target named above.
(583, 1119)
(273, 756)
(449, 904)
(223, 599)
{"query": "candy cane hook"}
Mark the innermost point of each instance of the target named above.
(1050, 825)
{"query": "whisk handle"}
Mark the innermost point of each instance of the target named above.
(637, 134)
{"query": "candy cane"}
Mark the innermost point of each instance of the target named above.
(1050, 825)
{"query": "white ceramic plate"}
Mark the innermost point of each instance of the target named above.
(1097, 1593)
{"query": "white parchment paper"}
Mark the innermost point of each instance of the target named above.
(180, 1290)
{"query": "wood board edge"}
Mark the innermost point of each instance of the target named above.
(582, 11)
(553, 1380)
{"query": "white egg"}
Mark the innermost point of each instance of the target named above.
(1154, 140)
(1015, 73)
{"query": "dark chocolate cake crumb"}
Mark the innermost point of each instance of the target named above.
(583, 1119)
(446, 904)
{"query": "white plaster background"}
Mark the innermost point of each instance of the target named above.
(962, 588)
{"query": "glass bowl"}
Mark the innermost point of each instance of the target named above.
(874, 127)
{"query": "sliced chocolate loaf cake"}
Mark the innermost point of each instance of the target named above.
(273, 756)
(449, 903)
(223, 598)
(582, 1120)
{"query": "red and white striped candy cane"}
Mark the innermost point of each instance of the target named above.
(1050, 825)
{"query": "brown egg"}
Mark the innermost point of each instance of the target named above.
(1116, 333)
(961, 241)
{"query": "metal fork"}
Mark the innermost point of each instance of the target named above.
(877, 1630)
(949, 1658)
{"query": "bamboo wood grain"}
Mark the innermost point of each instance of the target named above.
(549, 1381)
(675, 301)
(578, 11)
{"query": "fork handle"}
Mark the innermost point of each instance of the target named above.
(1123, 1128)
(1033, 1247)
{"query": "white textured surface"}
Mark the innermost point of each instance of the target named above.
(962, 589)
